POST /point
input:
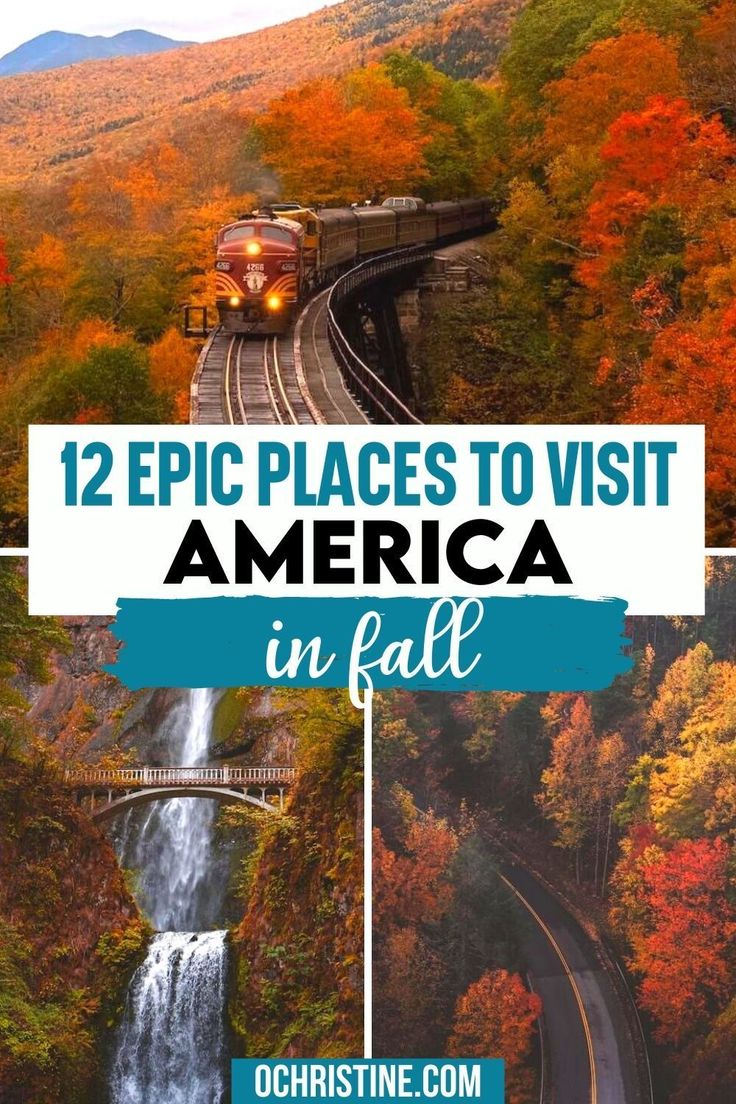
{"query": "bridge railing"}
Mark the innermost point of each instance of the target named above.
(131, 777)
(378, 400)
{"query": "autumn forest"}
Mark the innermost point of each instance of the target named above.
(624, 799)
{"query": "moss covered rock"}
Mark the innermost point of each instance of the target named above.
(297, 956)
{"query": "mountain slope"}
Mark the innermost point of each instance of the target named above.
(51, 122)
(57, 48)
(466, 40)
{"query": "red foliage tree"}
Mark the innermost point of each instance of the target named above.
(665, 154)
(617, 75)
(687, 956)
(689, 378)
(5, 274)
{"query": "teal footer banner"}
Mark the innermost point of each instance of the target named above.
(425, 1080)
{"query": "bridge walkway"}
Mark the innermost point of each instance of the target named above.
(124, 788)
(320, 375)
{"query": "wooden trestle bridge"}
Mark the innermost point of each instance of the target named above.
(105, 793)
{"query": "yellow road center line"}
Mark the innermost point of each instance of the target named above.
(571, 979)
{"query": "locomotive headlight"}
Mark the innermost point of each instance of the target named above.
(253, 248)
(273, 302)
(234, 301)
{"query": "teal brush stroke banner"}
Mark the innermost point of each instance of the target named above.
(527, 643)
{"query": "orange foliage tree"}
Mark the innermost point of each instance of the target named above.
(413, 887)
(409, 890)
(126, 216)
(495, 1018)
(47, 277)
(714, 73)
(345, 139)
(172, 359)
(195, 246)
(617, 75)
(92, 333)
(665, 154)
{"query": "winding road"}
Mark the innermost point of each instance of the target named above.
(591, 1053)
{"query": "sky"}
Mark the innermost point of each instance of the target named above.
(185, 19)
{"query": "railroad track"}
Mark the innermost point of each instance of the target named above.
(252, 380)
(259, 384)
(300, 378)
(248, 380)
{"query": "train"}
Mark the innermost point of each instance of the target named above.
(269, 262)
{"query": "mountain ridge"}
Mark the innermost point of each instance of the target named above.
(58, 49)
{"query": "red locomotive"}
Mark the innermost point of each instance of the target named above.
(259, 273)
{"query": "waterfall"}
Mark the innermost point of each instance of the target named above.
(169, 843)
(171, 1047)
(171, 1044)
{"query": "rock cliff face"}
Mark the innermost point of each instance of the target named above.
(86, 713)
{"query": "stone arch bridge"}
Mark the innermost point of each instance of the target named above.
(106, 793)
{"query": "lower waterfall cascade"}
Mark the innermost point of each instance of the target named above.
(171, 1045)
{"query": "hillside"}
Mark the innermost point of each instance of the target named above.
(56, 120)
(58, 48)
(466, 40)
(70, 931)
